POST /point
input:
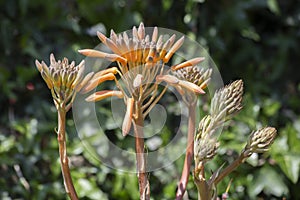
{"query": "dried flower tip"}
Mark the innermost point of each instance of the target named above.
(188, 63)
(260, 140)
(128, 117)
(97, 96)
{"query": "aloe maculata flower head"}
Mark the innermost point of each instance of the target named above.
(64, 79)
(141, 60)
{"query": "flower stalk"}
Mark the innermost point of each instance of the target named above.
(259, 141)
(189, 152)
(138, 123)
(64, 161)
(141, 60)
(64, 80)
(199, 78)
(225, 103)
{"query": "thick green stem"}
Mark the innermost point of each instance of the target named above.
(144, 186)
(201, 183)
(189, 153)
(64, 161)
(203, 192)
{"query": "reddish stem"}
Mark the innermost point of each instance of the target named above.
(144, 187)
(189, 153)
(64, 161)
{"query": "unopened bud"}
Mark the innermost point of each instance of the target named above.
(260, 140)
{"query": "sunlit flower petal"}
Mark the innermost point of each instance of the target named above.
(128, 116)
(188, 63)
(168, 79)
(191, 86)
(97, 96)
(97, 80)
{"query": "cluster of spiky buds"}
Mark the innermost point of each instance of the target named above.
(227, 101)
(64, 79)
(195, 75)
(206, 144)
(260, 141)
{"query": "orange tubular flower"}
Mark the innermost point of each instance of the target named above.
(97, 96)
(141, 60)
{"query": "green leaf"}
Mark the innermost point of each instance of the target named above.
(285, 151)
(268, 181)
(293, 139)
(273, 6)
(271, 107)
(291, 167)
(88, 188)
(6, 143)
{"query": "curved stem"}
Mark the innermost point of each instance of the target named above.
(189, 153)
(229, 169)
(64, 161)
(144, 186)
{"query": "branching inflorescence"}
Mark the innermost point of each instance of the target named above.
(142, 77)
(141, 61)
(225, 104)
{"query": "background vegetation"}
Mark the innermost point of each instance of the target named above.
(255, 40)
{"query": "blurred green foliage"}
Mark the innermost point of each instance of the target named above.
(257, 41)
